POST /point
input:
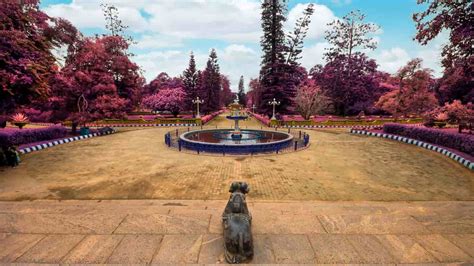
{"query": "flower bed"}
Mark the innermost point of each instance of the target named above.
(262, 118)
(211, 116)
(450, 139)
(158, 121)
(153, 117)
(334, 121)
(31, 147)
(15, 137)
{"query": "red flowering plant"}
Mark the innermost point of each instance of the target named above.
(20, 120)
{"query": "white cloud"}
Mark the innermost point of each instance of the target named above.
(321, 17)
(314, 54)
(234, 20)
(391, 60)
(207, 19)
(157, 41)
(88, 14)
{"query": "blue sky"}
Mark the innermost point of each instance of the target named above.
(167, 30)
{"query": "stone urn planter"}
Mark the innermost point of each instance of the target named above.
(20, 125)
(19, 120)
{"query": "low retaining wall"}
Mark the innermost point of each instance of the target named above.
(141, 125)
(458, 158)
(336, 126)
(61, 141)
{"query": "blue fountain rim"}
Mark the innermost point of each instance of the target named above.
(183, 138)
(254, 134)
(242, 117)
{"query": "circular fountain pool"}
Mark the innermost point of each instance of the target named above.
(223, 141)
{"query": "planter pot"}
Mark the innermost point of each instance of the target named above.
(440, 124)
(20, 124)
(84, 131)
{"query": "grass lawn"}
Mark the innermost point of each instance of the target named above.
(136, 164)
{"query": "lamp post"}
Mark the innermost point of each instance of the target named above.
(274, 103)
(197, 102)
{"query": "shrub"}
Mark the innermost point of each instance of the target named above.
(36, 115)
(210, 116)
(15, 137)
(262, 118)
(450, 139)
(3, 121)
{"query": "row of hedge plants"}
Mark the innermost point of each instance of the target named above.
(211, 116)
(349, 122)
(16, 137)
(196, 121)
(449, 139)
(157, 120)
(262, 118)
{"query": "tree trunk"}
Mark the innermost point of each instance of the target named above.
(74, 127)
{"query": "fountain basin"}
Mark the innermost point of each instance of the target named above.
(241, 117)
(224, 141)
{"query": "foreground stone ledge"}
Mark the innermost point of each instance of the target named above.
(180, 232)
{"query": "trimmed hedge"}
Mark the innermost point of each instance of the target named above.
(461, 142)
(16, 137)
(262, 118)
(211, 116)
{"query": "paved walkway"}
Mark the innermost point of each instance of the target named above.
(169, 231)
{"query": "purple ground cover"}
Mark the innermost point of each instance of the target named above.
(16, 137)
(447, 138)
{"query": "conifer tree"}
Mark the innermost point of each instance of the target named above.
(280, 72)
(241, 92)
(190, 82)
(211, 84)
(273, 59)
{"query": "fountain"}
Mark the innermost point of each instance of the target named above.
(236, 115)
(235, 140)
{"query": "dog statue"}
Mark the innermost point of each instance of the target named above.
(236, 219)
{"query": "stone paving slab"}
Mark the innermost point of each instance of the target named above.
(93, 249)
(287, 232)
(46, 223)
(51, 249)
(136, 249)
(372, 224)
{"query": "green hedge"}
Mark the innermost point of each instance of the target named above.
(375, 122)
(144, 122)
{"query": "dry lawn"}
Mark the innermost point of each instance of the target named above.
(135, 164)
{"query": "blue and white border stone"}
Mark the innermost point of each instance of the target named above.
(342, 126)
(142, 125)
(337, 126)
(454, 156)
(61, 141)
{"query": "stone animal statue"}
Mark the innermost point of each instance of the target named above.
(236, 219)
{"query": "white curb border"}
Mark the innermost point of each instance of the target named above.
(61, 141)
(141, 125)
(458, 158)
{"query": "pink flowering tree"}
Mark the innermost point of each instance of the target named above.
(171, 100)
(310, 99)
(453, 113)
(413, 95)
